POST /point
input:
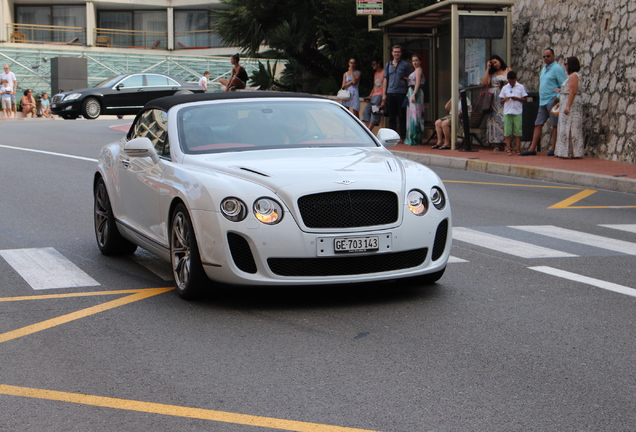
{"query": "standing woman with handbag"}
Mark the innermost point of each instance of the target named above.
(350, 82)
(415, 108)
(495, 79)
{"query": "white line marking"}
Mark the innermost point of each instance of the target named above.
(50, 153)
(586, 280)
(452, 259)
(582, 238)
(46, 268)
(505, 245)
(623, 227)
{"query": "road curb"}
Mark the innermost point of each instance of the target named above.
(596, 181)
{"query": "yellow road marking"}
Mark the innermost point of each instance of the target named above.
(44, 325)
(174, 410)
(567, 203)
(573, 199)
(560, 205)
(69, 295)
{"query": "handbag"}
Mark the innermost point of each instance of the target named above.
(555, 109)
(343, 94)
(484, 102)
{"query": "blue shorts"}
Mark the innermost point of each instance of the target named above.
(544, 113)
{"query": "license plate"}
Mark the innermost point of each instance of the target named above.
(53, 105)
(356, 244)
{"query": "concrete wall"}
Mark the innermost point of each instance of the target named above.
(602, 34)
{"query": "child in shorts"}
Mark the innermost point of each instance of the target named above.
(513, 95)
(6, 90)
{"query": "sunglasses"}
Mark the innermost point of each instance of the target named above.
(546, 56)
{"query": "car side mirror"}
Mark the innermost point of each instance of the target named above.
(141, 147)
(119, 86)
(388, 137)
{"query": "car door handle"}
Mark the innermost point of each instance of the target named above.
(125, 163)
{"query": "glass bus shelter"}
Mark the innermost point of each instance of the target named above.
(454, 38)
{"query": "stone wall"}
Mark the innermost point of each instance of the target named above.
(602, 35)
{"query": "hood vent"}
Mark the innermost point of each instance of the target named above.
(253, 171)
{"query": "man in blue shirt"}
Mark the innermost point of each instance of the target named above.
(394, 88)
(552, 76)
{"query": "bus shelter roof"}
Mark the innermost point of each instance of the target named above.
(439, 14)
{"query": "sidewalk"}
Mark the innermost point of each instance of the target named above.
(585, 172)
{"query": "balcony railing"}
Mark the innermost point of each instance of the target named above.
(197, 39)
(130, 39)
(46, 34)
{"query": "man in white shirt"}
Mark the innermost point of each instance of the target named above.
(13, 81)
(203, 82)
(512, 96)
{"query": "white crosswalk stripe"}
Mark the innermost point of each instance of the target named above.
(625, 227)
(506, 245)
(582, 238)
(46, 268)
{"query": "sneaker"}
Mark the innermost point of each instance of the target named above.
(528, 153)
(550, 153)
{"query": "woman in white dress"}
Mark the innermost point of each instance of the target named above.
(570, 143)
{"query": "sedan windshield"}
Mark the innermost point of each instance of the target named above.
(110, 81)
(260, 124)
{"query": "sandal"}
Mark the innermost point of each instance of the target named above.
(509, 152)
(445, 147)
(436, 146)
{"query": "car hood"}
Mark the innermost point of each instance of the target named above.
(303, 171)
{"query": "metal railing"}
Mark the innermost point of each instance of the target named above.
(46, 34)
(197, 39)
(113, 38)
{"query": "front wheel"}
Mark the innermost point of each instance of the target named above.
(91, 108)
(109, 239)
(187, 270)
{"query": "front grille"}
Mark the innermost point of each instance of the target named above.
(241, 253)
(349, 209)
(347, 265)
(440, 240)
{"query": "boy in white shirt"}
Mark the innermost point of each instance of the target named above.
(203, 82)
(6, 91)
(513, 95)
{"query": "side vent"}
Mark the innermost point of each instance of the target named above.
(440, 240)
(241, 253)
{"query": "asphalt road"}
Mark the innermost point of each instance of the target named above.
(531, 328)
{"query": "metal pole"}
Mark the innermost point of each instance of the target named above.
(454, 73)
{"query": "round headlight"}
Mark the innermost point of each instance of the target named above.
(268, 211)
(417, 202)
(233, 209)
(437, 198)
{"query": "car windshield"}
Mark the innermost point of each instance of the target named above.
(259, 124)
(110, 81)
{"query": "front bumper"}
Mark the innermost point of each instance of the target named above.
(250, 253)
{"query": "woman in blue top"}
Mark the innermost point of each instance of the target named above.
(350, 82)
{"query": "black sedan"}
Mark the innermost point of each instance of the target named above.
(119, 95)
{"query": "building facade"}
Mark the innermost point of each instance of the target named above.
(602, 35)
(170, 25)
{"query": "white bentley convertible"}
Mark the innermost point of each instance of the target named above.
(268, 188)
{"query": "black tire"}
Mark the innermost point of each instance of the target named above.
(187, 270)
(91, 108)
(109, 239)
